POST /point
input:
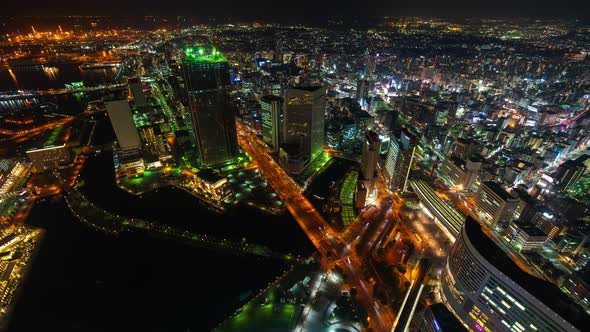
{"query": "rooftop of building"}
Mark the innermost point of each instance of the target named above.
(459, 162)
(372, 136)
(209, 175)
(476, 158)
(529, 228)
(291, 149)
(203, 54)
(583, 158)
(523, 195)
(498, 190)
(464, 140)
(310, 88)
(546, 292)
(573, 163)
(271, 98)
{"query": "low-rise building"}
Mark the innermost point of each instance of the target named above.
(49, 158)
(212, 185)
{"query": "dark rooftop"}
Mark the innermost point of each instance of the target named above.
(307, 88)
(546, 292)
(270, 98)
(497, 188)
(209, 175)
(530, 229)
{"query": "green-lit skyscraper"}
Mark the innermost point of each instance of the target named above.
(206, 77)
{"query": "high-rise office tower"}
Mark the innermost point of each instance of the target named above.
(304, 119)
(206, 77)
(369, 159)
(405, 160)
(272, 120)
(122, 120)
(391, 160)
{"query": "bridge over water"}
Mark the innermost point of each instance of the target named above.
(53, 92)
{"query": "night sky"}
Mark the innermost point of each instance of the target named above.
(308, 9)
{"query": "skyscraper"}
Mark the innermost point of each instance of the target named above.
(405, 160)
(122, 121)
(391, 160)
(304, 119)
(272, 120)
(369, 159)
(206, 77)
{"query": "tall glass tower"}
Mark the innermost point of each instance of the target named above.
(304, 119)
(206, 77)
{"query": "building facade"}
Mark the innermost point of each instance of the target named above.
(488, 292)
(49, 158)
(369, 159)
(272, 120)
(206, 78)
(405, 161)
(304, 119)
(494, 205)
(122, 120)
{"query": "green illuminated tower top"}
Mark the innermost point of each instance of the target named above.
(202, 54)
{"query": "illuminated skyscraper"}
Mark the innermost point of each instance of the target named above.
(405, 160)
(304, 119)
(369, 159)
(272, 120)
(206, 77)
(391, 160)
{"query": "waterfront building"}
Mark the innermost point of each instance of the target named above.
(207, 80)
(122, 120)
(49, 158)
(212, 185)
